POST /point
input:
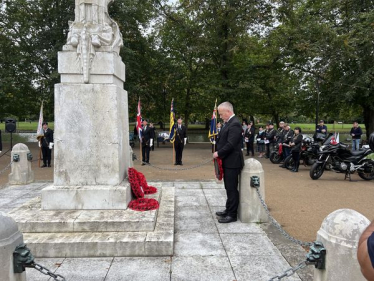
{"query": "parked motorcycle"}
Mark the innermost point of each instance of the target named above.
(343, 160)
(308, 154)
(277, 155)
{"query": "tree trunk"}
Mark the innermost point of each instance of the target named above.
(369, 120)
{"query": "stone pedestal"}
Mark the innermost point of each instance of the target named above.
(92, 150)
(339, 233)
(10, 238)
(250, 207)
(21, 169)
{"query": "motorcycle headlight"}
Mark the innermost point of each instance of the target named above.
(321, 148)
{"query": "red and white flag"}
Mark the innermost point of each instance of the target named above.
(139, 122)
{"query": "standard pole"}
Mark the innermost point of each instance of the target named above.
(40, 156)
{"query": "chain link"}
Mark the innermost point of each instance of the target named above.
(180, 169)
(46, 271)
(278, 226)
(291, 271)
(6, 168)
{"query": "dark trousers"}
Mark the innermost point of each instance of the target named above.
(145, 153)
(296, 159)
(231, 180)
(250, 147)
(178, 152)
(47, 155)
(286, 151)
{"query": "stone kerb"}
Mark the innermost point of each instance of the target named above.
(21, 169)
(250, 207)
(339, 233)
(10, 238)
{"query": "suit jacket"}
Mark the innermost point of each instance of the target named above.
(250, 134)
(229, 144)
(147, 135)
(48, 137)
(180, 135)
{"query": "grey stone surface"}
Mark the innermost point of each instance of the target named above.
(194, 219)
(197, 268)
(209, 185)
(10, 237)
(250, 207)
(187, 185)
(204, 249)
(189, 192)
(198, 244)
(90, 269)
(21, 171)
(340, 232)
(216, 200)
(140, 269)
(259, 268)
(190, 201)
(247, 245)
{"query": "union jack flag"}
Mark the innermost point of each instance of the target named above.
(139, 121)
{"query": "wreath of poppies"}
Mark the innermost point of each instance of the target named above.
(144, 204)
(139, 187)
(218, 169)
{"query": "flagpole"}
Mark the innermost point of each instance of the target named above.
(40, 155)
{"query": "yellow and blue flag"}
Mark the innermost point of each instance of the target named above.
(172, 123)
(213, 125)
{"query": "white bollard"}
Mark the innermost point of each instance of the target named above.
(339, 233)
(250, 207)
(21, 166)
(10, 238)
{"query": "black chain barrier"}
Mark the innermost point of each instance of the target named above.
(317, 252)
(46, 271)
(278, 226)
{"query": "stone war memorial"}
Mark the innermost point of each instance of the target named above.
(84, 212)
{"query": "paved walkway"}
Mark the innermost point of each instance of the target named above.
(203, 250)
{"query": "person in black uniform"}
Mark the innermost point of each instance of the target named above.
(270, 139)
(249, 137)
(147, 141)
(296, 148)
(229, 150)
(180, 141)
(46, 143)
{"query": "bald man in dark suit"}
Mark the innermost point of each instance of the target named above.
(229, 150)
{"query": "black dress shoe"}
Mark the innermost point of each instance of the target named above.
(43, 166)
(49, 166)
(227, 219)
(221, 214)
(175, 164)
(143, 164)
(247, 154)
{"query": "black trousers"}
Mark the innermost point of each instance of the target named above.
(296, 159)
(231, 180)
(145, 153)
(47, 155)
(178, 152)
(250, 147)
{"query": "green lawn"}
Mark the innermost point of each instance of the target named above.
(27, 126)
(342, 128)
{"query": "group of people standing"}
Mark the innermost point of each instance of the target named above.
(148, 135)
(267, 137)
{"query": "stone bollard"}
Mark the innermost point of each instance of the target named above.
(21, 166)
(10, 238)
(339, 233)
(250, 207)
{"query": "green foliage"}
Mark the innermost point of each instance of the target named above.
(271, 59)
